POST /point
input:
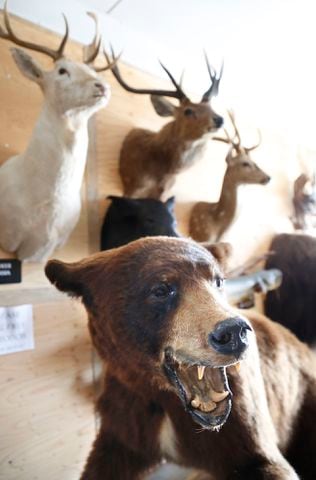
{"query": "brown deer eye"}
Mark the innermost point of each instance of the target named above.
(246, 164)
(188, 112)
(63, 71)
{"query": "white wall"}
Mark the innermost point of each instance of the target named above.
(267, 46)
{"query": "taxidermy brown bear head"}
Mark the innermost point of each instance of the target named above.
(159, 318)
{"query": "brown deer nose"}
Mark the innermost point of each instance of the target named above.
(218, 121)
(101, 87)
(230, 337)
(266, 180)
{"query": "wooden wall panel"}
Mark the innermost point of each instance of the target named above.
(47, 399)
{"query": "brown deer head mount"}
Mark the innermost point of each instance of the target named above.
(149, 161)
(241, 167)
(193, 119)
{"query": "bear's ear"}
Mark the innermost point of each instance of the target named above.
(221, 251)
(124, 202)
(65, 276)
(83, 278)
(170, 203)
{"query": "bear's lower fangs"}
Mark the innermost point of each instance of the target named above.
(204, 407)
(218, 396)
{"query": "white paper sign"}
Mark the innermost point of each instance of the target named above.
(16, 329)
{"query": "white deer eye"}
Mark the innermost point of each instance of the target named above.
(218, 282)
(63, 71)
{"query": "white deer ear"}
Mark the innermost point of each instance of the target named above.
(163, 107)
(27, 66)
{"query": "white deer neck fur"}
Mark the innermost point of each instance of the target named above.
(57, 149)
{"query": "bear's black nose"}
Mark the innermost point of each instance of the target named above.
(230, 337)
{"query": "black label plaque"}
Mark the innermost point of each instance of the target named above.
(10, 270)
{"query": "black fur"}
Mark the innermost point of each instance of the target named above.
(294, 303)
(129, 219)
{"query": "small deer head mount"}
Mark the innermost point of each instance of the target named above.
(193, 119)
(211, 220)
(242, 168)
(69, 86)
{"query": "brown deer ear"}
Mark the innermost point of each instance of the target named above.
(163, 107)
(221, 251)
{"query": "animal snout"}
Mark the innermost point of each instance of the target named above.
(218, 120)
(230, 337)
(101, 87)
(266, 180)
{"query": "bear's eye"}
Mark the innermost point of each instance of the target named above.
(163, 290)
(218, 282)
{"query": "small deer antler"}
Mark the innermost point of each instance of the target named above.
(212, 91)
(236, 144)
(10, 35)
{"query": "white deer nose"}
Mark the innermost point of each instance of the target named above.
(100, 86)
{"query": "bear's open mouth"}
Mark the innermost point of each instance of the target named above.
(203, 390)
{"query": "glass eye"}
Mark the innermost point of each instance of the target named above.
(164, 290)
(188, 112)
(218, 282)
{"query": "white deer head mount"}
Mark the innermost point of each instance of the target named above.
(40, 188)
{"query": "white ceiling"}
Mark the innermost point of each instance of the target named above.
(268, 47)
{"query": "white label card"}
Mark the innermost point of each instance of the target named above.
(16, 329)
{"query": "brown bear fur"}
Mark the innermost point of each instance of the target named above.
(160, 295)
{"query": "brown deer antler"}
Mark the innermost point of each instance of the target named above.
(177, 93)
(10, 35)
(212, 91)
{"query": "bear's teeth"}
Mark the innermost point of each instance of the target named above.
(218, 396)
(195, 402)
(200, 370)
(208, 406)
